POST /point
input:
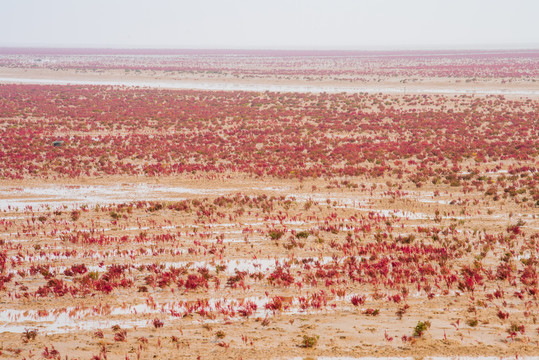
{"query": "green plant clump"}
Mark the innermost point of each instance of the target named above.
(276, 234)
(309, 341)
(421, 327)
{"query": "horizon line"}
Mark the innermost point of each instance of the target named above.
(110, 50)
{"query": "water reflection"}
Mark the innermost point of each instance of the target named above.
(230, 86)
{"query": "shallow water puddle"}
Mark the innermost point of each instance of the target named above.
(55, 195)
(73, 319)
(230, 86)
(232, 265)
(92, 318)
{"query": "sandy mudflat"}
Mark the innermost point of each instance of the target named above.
(69, 323)
(231, 265)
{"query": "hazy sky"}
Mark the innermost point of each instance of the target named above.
(283, 24)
